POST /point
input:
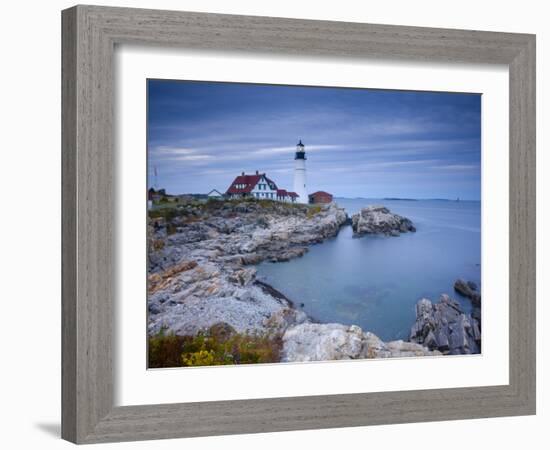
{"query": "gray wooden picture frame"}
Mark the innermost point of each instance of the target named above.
(90, 34)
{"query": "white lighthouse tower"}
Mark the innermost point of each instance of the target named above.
(300, 173)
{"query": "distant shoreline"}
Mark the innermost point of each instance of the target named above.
(453, 200)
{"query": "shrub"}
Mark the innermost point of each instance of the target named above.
(157, 244)
(168, 213)
(164, 350)
(171, 229)
(200, 358)
(216, 346)
(313, 210)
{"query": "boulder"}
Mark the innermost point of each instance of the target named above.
(157, 281)
(322, 342)
(379, 220)
(445, 327)
(289, 254)
(334, 341)
(221, 331)
(283, 319)
(243, 277)
(468, 289)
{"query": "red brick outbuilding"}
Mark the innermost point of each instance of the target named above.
(320, 197)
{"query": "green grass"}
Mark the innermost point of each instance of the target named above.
(170, 210)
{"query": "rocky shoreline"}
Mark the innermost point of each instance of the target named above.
(201, 275)
(200, 258)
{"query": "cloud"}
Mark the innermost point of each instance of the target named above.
(457, 167)
(193, 158)
(200, 135)
(171, 151)
(290, 150)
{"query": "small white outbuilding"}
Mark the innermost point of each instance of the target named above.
(214, 193)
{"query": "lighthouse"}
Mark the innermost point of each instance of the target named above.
(300, 173)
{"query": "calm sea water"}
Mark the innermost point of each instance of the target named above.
(375, 281)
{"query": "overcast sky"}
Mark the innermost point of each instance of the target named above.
(359, 142)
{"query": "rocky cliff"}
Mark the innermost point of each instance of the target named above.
(200, 257)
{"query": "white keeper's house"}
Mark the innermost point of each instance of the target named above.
(259, 186)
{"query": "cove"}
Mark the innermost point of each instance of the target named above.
(375, 281)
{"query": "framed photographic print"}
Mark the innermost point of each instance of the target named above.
(268, 222)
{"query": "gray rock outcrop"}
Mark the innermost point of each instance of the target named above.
(334, 341)
(201, 274)
(445, 327)
(468, 289)
(200, 261)
(379, 220)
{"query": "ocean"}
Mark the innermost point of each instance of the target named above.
(375, 281)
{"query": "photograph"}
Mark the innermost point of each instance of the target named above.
(268, 225)
(295, 224)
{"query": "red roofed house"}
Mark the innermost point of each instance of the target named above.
(257, 185)
(282, 195)
(320, 197)
(293, 197)
(285, 196)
